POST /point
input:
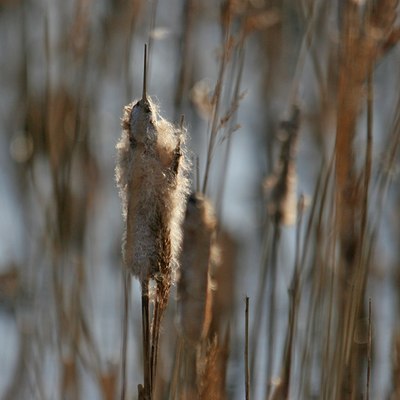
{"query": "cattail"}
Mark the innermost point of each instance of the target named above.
(151, 176)
(283, 184)
(153, 184)
(197, 253)
(195, 291)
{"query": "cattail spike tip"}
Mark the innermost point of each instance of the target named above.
(144, 95)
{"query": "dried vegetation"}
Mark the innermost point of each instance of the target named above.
(294, 296)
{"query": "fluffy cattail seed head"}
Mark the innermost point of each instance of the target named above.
(151, 175)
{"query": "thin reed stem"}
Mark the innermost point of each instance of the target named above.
(146, 341)
(295, 300)
(126, 286)
(217, 100)
(246, 351)
(272, 304)
(231, 127)
(369, 348)
(259, 299)
(159, 308)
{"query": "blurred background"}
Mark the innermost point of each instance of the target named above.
(257, 83)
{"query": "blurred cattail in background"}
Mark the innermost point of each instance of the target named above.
(195, 291)
(198, 254)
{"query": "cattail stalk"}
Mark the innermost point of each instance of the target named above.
(151, 176)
